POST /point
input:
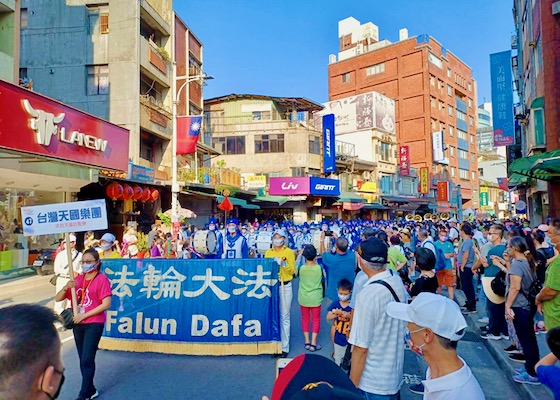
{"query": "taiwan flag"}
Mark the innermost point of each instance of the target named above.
(503, 184)
(188, 129)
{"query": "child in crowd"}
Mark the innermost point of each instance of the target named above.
(310, 296)
(339, 311)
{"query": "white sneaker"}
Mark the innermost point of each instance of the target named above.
(483, 320)
(489, 336)
(505, 337)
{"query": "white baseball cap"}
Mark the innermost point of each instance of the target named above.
(433, 311)
(453, 220)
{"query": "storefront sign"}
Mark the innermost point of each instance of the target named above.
(502, 98)
(352, 206)
(208, 307)
(443, 191)
(324, 187)
(289, 186)
(483, 197)
(78, 216)
(521, 207)
(363, 112)
(329, 156)
(404, 160)
(140, 174)
(255, 181)
(38, 125)
(424, 180)
(297, 198)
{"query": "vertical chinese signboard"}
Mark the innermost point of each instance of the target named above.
(424, 180)
(483, 196)
(502, 98)
(329, 160)
(404, 160)
(443, 191)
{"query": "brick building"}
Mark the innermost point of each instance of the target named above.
(434, 91)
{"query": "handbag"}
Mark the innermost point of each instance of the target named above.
(498, 284)
(53, 280)
(67, 318)
(346, 362)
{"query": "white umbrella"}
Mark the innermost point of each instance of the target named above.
(183, 212)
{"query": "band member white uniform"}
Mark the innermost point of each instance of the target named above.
(62, 271)
(235, 245)
(286, 261)
(219, 240)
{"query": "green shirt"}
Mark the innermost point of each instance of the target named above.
(551, 308)
(395, 257)
(310, 292)
(446, 248)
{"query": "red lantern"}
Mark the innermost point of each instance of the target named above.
(114, 191)
(145, 195)
(128, 192)
(138, 192)
(154, 195)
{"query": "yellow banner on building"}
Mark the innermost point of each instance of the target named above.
(483, 189)
(424, 180)
(255, 181)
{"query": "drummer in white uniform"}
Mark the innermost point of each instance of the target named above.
(62, 271)
(219, 241)
(235, 245)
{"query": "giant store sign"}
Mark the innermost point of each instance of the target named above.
(38, 125)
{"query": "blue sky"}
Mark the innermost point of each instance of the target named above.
(281, 48)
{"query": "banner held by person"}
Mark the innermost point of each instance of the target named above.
(200, 307)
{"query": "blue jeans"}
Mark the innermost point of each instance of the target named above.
(372, 396)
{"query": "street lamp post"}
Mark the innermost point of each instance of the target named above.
(175, 189)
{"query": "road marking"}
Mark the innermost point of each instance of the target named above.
(67, 339)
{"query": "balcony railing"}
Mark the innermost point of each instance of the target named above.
(261, 121)
(210, 176)
(345, 149)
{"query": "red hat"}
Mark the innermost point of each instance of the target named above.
(311, 376)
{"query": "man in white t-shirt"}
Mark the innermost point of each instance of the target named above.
(63, 272)
(453, 230)
(435, 326)
(378, 353)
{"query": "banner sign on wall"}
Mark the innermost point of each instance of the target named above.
(193, 306)
(404, 160)
(77, 216)
(443, 191)
(502, 98)
(329, 145)
(437, 146)
(288, 186)
(324, 186)
(424, 180)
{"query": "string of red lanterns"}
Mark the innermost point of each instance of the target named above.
(116, 191)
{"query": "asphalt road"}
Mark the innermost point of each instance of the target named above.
(122, 375)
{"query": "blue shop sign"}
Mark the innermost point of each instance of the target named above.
(140, 174)
(324, 186)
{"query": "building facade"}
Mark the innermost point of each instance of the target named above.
(484, 130)
(433, 90)
(537, 80)
(112, 60)
(9, 40)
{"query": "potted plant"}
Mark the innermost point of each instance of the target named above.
(142, 244)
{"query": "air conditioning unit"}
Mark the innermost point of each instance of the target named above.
(366, 175)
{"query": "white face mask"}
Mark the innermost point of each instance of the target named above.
(232, 229)
(211, 227)
(343, 297)
(278, 242)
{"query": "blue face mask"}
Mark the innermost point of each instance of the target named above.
(106, 246)
(88, 268)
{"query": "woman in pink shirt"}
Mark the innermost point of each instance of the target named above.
(93, 291)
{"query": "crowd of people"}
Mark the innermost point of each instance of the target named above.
(387, 285)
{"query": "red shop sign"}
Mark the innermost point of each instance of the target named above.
(39, 125)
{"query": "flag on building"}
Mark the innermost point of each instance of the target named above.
(503, 184)
(188, 129)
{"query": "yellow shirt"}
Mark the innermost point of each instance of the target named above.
(286, 274)
(112, 254)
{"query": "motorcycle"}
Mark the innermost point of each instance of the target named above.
(44, 264)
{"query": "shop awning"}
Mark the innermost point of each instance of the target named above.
(272, 199)
(374, 206)
(350, 197)
(251, 207)
(544, 166)
(235, 201)
(395, 199)
(197, 193)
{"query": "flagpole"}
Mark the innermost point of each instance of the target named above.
(174, 183)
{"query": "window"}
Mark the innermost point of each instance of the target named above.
(470, 103)
(452, 171)
(473, 175)
(375, 69)
(273, 143)
(463, 154)
(450, 131)
(472, 139)
(472, 157)
(470, 120)
(470, 87)
(298, 171)
(261, 115)
(385, 152)
(441, 127)
(23, 17)
(432, 80)
(449, 72)
(449, 90)
(314, 145)
(103, 23)
(463, 173)
(229, 144)
(434, 124)
(97, 79)
(461, 134)
(462, 116)
(194, 110)
(434, 60)
(346, 77)
(450, 110)
(433, 102)
(441, 106)
(481, 171)
(451, 151)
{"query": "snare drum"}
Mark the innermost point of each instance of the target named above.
(205, 242)
(264, 242)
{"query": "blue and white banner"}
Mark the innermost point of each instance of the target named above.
(193, 301)
(329, 145)
(324, 186)
(502, 99)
